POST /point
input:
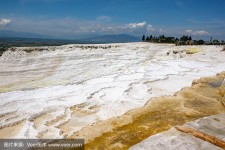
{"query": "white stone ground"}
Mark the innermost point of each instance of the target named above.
(37, 89)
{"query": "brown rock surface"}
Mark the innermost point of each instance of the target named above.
(159, 114)
(174, 140)
(206, 133)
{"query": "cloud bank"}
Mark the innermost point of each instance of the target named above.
(136, 25)
(5, 21)
(75, 27)
(197, 33)
(69, 27)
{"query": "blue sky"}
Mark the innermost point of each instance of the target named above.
(79, 18)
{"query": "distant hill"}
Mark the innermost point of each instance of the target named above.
(18, 42)
(119, 38)
(15, 34)
(27, 36)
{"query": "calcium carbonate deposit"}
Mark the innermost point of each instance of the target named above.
(53, 92)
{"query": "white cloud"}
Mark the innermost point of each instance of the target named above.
(137, 28)
(162, 31)
(150, 28)
(188, 31)
(197, 33)
(201, 33)
(71, 27)
(136, 25)
(4, 21)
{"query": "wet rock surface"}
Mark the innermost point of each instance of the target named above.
(206, 133)
(161, 114)
(173, 139)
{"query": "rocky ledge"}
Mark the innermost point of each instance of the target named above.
(204, 98)
(203, 134)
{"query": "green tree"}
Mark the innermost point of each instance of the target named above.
(200, 42)
(215, 41)
(161, 37)
(170, 40)
(143, 38)
(150, 37)
(189, 38)
(222, 42)
(184, 38)
(211, 39)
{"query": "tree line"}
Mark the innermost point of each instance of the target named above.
(183, 40)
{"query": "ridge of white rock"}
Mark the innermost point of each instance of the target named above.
(39, 88)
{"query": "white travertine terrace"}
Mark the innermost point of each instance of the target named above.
(39, 88)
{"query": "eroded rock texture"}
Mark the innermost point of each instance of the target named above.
(159, 114)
